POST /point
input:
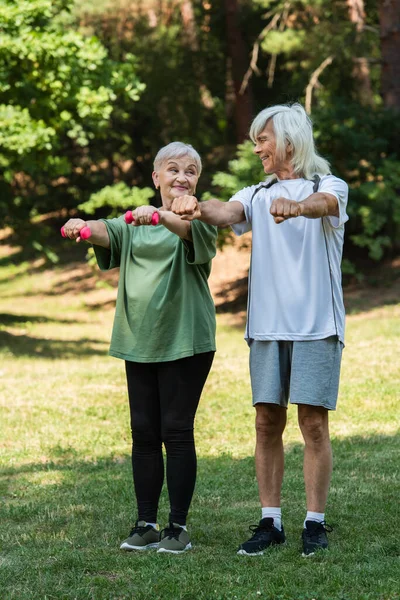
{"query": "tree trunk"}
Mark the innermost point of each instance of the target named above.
(361, 71)
(389, 17)
(237, 52)
(189, 24)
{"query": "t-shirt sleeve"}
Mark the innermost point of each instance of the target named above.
(203, 246)
(338, 188)
(109, 258)
(244, 197)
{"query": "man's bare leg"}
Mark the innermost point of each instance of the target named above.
(314, 425)
(269, 458)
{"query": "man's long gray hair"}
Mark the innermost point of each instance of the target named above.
(292, 126)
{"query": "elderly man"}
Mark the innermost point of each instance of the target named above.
(295, 320)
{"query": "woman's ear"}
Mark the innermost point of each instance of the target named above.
(155, 179)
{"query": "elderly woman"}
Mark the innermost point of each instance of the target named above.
(295, 319)
(164, 330)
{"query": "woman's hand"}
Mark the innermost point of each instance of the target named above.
(143, 215)
(73, 227)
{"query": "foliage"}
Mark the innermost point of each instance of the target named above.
(116, 198)
(59, 92)
(244, 170)
(90, 90)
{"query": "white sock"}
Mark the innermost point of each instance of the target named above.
(273, 512)
(314, 516)
(179, 525)
(153, 525)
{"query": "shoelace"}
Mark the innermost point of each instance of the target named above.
(318, 529)
(139, 529)
(259, 530)
(171, 532)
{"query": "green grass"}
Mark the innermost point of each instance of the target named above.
(65, 490)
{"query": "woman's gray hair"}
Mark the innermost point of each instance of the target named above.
(292, 126)
(177, 150)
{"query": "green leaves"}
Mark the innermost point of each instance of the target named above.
(117, 197)
(59, 91)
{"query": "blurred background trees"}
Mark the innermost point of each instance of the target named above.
(90, 90)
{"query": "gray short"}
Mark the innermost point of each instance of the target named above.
(305, 372)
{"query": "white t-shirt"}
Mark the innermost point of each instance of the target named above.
(295, 290)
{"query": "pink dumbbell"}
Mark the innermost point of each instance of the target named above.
(129, 218)
(84, 233)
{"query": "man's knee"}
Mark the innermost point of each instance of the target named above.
(270, 421)
(313, 422)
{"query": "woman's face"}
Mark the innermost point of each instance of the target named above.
(176, 177)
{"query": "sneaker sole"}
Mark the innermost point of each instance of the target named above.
(304, 555)
(242, 552)
(187, 547)
(128, 547)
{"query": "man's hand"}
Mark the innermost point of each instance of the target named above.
(187, 207)
(283, 209)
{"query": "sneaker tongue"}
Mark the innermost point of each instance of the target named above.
(141, 523)
(312, 525)
(267, 522)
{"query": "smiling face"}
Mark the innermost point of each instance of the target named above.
(265, 148)
(176, 177)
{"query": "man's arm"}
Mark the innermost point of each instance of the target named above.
(213, 212)
(315, 206)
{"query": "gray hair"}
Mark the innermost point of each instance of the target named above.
(177, 150)
(292, 125)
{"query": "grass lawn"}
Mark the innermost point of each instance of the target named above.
(66, 496)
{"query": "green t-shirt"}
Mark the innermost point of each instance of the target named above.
(164, 308)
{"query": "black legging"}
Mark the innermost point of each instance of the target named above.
(163, 399)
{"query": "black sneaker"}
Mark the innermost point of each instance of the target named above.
(264, 535)
(314, 537)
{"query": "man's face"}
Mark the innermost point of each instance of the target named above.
(265, 148)
(176, 177)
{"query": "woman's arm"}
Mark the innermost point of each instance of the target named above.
(99, 234)
(175, 224)
(143, 215)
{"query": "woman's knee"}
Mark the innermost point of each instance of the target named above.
(177, 432)
(144, 431)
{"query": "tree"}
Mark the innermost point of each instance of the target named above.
(59, 94)
(389, 16)
(237, 52)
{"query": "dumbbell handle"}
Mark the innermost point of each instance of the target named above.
(84, 233)
(129, 218)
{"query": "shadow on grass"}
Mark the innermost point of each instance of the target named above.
(25, 345)
(365, 474)
(10, 319)
(67, 516)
